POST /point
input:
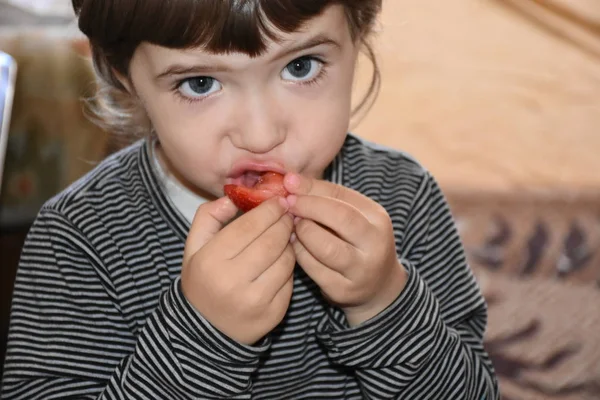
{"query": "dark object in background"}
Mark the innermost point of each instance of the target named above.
(10, 248)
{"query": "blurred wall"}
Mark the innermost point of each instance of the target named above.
(500, 95)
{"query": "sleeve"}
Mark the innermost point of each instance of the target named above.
(429, 342)
(68, 338)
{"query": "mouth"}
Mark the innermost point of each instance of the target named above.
(249, 174)
(248, 179)
(252, 188)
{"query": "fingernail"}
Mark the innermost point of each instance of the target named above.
(223, 205)
(296, 220)
(292, 180)
(291, 200)
(293, 238)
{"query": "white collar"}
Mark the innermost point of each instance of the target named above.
(184, 200)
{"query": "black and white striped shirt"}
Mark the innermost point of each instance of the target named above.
(98, 311)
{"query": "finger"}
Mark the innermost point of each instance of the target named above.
(208, 221)
(297, 184)
(347, 221)
(281, 302)
(239, 234)
(267, 248)
(274, 278)
(327, 278)
(326, 247)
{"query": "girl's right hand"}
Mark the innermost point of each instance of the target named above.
(240, 277)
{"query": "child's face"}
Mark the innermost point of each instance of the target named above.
(219, 115)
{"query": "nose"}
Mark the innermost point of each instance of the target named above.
(260, 126)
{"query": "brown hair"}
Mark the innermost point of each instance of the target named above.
(115, 29)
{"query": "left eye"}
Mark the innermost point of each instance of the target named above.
(302, 69)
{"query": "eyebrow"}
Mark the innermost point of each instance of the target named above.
(177, 69)
(319, 40)
(199, 69)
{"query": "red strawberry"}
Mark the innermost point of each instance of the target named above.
(270, 184)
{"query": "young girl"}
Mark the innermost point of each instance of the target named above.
(143, 281)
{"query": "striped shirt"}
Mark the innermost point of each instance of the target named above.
(98, 311)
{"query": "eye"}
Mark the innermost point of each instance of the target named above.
(302, 69)
(199, 87)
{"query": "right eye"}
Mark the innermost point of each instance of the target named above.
(199, 87)
(302, 69)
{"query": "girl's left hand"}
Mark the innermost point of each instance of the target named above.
(345, 242)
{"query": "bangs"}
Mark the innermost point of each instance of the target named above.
(220, 26)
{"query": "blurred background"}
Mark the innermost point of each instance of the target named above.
(500, 99)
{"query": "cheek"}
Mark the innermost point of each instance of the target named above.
(321, 124)
(321, 137)
(179, 125)
(168, 116)
(187, 140)
(327, 119)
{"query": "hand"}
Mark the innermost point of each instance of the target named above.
(240, 277)
(345, 243)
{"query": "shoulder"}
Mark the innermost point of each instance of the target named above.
(359, 150)
(116, 176)
(383, 173)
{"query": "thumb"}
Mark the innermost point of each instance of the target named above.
(208, 221)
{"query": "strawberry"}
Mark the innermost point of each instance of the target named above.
(270, 184)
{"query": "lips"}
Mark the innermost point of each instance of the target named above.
(248, 172)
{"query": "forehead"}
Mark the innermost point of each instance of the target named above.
(330, 24)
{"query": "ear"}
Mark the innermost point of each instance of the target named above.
(81, 47)
(124, 81)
